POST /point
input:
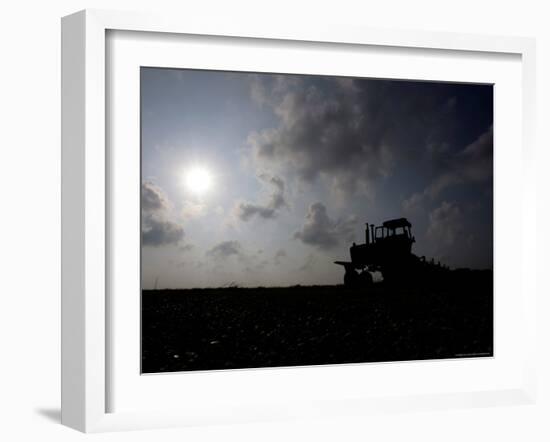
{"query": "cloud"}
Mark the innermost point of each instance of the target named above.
(279, 256)
(192, 209)
(226, 249)
(322, 232)
(157, 229)
(412, 204)
(473, 164)
(477, 158)
(159, 232)
(153, 198)
(261, 265)
(186, 248)
(348, 131)
(445, 225)
(309, 264)
(246, 210)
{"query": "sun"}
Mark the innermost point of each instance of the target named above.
(198, 180)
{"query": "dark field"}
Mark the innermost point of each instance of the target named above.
(225, 328)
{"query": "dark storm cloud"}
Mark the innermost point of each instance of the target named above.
(471, 165)
(456, 238)
(351, 130)
(157, 230)
(477, 158)
(246, 210)
(225, 250)
(161, 232)
(277, 199)
(322, 232)
(153, 198)
(446, 225)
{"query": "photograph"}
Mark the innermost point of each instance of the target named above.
(302, 220)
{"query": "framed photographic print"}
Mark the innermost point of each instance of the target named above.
(255, 185)
(270, 223)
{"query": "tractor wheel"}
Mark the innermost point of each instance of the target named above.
(395, 277)
(351, 278)
(365, 279)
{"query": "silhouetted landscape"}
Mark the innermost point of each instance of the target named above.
(228, 328)
(310, 219)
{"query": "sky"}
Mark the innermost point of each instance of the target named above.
(266, 179)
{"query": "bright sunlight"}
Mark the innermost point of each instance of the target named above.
(198, 180)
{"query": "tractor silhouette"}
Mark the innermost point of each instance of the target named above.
(388, 250)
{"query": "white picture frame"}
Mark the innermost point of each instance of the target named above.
(86, 356)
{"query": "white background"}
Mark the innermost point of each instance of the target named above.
(30, 221)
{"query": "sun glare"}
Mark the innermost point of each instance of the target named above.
(198, 180)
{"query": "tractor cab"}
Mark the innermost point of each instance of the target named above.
(394, 231)
(391, 241)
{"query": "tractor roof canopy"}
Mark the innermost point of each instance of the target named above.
(395, 223)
